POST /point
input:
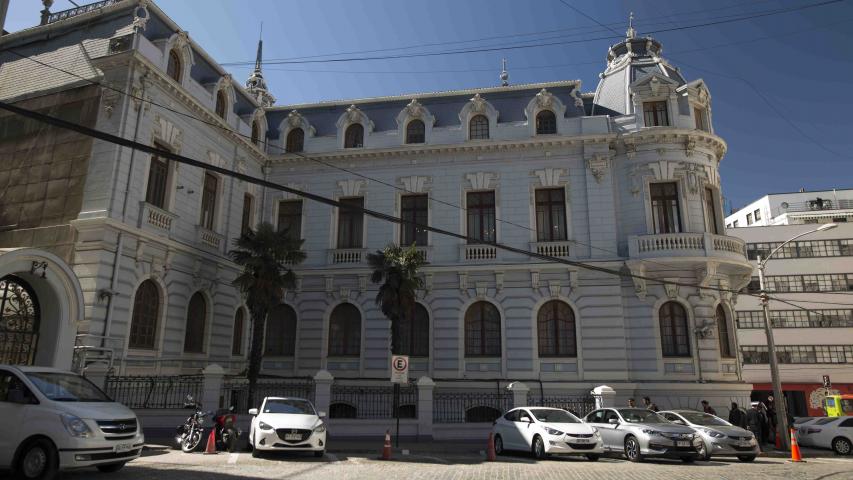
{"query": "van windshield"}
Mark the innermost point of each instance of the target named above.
(67, 387)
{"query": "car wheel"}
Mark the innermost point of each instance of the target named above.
(688, 459)
(38, 460)
(320, 453)
(593, 457)
(499, 445)
(746, 458)
(703, 453)
(256, 453)
(110, 468)
(539, 448)
(632, 449)
(841, 446)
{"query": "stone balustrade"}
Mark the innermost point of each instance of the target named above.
(478, 252)
(156, 219)
(685, 245)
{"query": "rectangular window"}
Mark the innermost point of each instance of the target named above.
(208, 201)
(710, 212)
(350, 223)
(825, 282)
(246, 220)
(757, 214)
(551, 215)
(414, 209)
(735, 224)
(825, 318)
(799, 354)
(290, 218)
(749, 219)
(701, 119)
(158, 180)
(666, 215)
(655, 114)
(481, 217)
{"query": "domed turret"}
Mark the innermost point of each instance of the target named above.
(256, 85)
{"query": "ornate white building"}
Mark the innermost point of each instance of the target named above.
(624, 178)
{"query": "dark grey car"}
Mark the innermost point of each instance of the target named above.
(638, 433)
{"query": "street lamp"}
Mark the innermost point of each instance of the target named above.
(779, 399)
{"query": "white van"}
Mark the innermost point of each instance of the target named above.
(52, 420)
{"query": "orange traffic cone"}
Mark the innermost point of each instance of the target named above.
(795, 449)
(386, 449)
(210, 449)
(490, 451)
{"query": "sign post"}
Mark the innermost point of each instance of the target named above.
(399, 374)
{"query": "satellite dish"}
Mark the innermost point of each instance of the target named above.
(784, 204)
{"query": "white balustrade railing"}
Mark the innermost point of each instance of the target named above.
(155, 218)
(553, 249)
(346, 255)
(209, 238)
(685, 244)
(479, 252)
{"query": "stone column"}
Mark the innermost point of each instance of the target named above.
(323, 391)
(425, 389)
(519, 394)
(212, 386)
(605, 396)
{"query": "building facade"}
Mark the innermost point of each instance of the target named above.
(814, 332)
(623, 178)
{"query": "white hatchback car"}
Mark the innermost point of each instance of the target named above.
(829, 432)
(544, 431)
(287, 424)
(53, 420)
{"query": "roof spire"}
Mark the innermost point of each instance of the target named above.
(630, 33)
(260, 49)
(504, 74)
(256, 85)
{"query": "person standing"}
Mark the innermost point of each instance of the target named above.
(647, 402)
(754, 422)
(737, 417)
(632, 403)
(707, 408)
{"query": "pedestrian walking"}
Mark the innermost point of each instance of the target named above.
(632, 403)
(647, 402)
(707, 408)
(754, 422)
(737, 417)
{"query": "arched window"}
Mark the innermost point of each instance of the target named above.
(354, 136)
(20, 317)
(723, 331)
(674, 337)
(412, 335)
(256, 132)
(482, 330)
(221, 102)
(416, 132)
(556, 326)
(345, 331)
(281, 331)
(146, 314)
(237, 336)
(546, 122)
(196, 316)
(173, 68)
(478, 128)
(295, 140)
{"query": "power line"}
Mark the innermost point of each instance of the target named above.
(564, 2)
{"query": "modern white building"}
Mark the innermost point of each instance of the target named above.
(814, 332)
(624, 178)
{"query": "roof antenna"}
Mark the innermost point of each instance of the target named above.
(504, 74)
(631, 32)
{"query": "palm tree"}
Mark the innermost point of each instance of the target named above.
(266, 255)
(397, 269)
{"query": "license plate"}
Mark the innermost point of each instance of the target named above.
(293, 436)
(581, 440)
(122, 447)
(743, 443)
(682, 444)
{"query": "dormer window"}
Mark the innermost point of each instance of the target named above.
(256, 132)
(655, 114)
(546, 123)
(173, 68)
(354, 136)
(478, 128)
(295, 141)
(415, 132)
(221, 101)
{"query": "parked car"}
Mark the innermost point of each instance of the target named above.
(719, 437)
(545, 431)
(828, 432)
(54, 420)
(638, 433)
(287, 424)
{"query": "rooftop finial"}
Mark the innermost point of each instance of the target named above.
(504, 74)
(631, 32)
(256, 85)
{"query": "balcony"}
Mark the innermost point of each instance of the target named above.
(156, 220)
(208, 238)
(553, 249)
(478, 252)
(345, 256)
(686, 245)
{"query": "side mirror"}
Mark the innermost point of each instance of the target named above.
(613, 421)
(253, 411)
(321, 414)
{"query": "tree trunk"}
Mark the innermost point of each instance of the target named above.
(256, 352)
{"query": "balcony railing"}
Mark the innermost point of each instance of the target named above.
(347, 255)
(73, 12)
(156, 219)
(553, 249)
(478, 252)
(685, 245)
(209, 238)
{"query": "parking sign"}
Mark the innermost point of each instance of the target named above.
(399, 369)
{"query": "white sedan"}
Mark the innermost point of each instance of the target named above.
(829, 432)
(544, 431)
(287, 424)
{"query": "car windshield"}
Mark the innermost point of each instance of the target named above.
(67, 387)
(293, 406)
(547, 415)
(705, 419)
(641, 415)
(824, 421)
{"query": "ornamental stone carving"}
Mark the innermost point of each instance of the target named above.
(414, 183)
(294, 119)
(481, 180)
(166, 132)
(478, 104)
(598, 166)
(544, 99)
(414, 109)
(549, 177)
(354, 114)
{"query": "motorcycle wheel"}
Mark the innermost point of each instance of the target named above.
(191, 441)
(229, 439)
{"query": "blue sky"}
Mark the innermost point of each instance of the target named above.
(795, 133)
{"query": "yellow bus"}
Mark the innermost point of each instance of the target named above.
(838, 405)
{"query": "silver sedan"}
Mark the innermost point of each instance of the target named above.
(720, 438)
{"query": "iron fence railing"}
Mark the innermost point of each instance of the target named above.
(372, 402)
(579, 405)
(469, 407)
(154, 391)
(73, 12)
(235, 391)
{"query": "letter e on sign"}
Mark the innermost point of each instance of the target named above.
(399, 369)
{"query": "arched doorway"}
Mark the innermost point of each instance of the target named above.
(20, 318)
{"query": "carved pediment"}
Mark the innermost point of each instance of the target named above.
(481, 180)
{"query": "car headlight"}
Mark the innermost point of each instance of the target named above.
(649, 431)
(264, 426)
(320, 428)
(715, 434)
(552, 431)
(75, 426)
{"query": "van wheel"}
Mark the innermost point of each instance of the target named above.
(841, 446)
(38, 460)
(110, 468)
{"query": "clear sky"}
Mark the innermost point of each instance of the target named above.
(796, 132)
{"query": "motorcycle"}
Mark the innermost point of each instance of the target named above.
(189, 435)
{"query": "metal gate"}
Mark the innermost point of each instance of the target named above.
(19, 321)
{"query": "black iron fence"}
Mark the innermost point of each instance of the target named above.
(235, 391)
(154, 392)
(579, 405)
(372, 402)
(469, 407)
